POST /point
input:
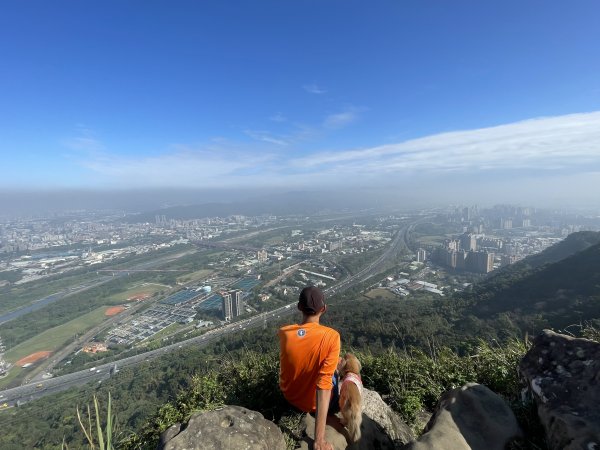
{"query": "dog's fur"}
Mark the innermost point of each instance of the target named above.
(350, 397)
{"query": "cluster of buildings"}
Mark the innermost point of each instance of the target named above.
(39, 265)
(481, 254)
(403, 285)
(182, 308)
(338, 239)
(501, 235)
(462, 254)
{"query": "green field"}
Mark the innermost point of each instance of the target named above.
(55, 338)
(24, 294)
(195, 276)
(380, 292)
(431, 240)
(139, 288)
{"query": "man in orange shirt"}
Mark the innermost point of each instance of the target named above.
(309, 354)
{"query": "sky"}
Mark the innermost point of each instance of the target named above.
(456, 99)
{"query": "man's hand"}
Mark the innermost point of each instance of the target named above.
(322, 445)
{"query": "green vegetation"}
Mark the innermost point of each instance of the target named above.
(410, 381)
(11, 275)
(412, 351)
(381, 293)
(65, 310)
(355, 262)
(103, 433)
(50, 340)
(198, 275)
(139, 288)
(12, 297)
(55, 338)
(111, 293)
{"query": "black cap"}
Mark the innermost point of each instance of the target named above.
(311, 300)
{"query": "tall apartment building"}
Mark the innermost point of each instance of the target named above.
(334, 245)
(506, 224)
(482, 262)
(262, 256)
(233, 304)
(468, 242)
(237, 303)
(421, 255)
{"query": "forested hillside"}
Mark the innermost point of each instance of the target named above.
(554, 295)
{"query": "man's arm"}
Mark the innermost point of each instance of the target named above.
(324, 386)
(323, 398)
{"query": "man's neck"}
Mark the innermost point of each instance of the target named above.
(310, 319)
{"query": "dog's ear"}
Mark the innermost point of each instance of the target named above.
(353, 363)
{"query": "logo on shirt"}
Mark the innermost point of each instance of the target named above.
(301, 332)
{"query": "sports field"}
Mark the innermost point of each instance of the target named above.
(33, 358)
(114, 310)
(380, 292)
(139, 289)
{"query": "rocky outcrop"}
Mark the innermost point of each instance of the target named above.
(469, 418)
(563, 376)
(381, 428)
(231, 427)
(386, 418)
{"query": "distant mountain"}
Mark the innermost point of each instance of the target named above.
(288, 203)
(544, 290)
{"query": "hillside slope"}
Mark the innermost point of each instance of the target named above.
(541, 294)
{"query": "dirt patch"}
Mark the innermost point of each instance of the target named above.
(33, 358)
(114, 310)
(138, 297)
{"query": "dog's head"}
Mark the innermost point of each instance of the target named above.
(349, 363)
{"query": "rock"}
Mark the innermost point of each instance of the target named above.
(384, 416)
(381, 428)
(469, 418)
(563, 376)
(169, 434)
(231, 427)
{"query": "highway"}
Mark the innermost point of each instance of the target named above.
(101, 372)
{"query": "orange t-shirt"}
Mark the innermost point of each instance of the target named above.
(308, 355)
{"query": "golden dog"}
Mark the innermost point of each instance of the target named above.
(351, 395)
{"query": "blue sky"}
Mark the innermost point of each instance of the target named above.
(146, 94)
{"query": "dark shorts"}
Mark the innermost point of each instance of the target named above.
(334, 403)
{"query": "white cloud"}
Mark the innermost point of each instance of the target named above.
(314, 89)
(341, 119)
(546, 148)
(265, 136)
(545, 143)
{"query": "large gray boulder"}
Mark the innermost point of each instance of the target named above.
(469, 418)
(386, 418)
(228, 428)
(381, 428)
(563, 376)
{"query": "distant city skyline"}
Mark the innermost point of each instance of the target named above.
(464, 98)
